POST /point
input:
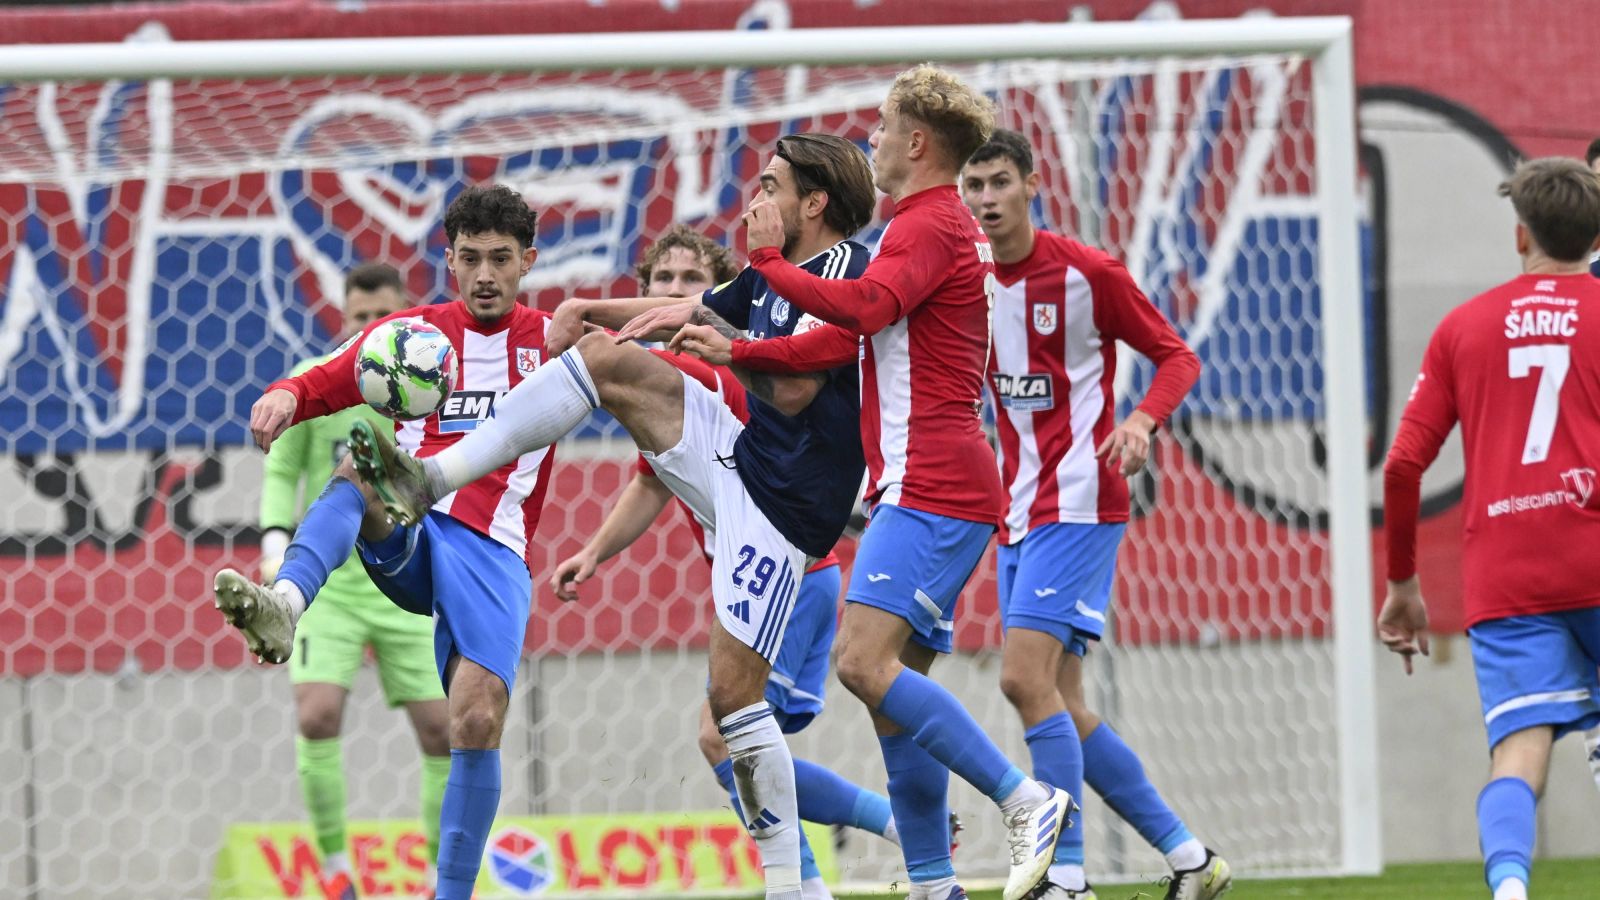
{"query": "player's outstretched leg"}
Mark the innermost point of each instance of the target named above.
(322, 542)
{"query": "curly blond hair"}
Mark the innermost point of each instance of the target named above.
(960, 117)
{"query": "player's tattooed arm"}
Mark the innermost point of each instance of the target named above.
(789, 394)
(703, 315)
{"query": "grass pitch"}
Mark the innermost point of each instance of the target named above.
(1553, 879)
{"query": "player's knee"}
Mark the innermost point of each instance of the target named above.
(863, 674)
(317, 722)
(476, 726)
(1021, 689)
(600, 353)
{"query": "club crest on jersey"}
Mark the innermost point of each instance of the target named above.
(1025, 393)
(1045, 317)
(527, 360)
(1580, 486)
(465, 409)
(780, 312)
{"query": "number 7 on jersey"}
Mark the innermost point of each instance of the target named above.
(1552, 361)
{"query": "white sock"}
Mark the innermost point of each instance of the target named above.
(1069, 876)
(1024, 798)
(763, 771)
(297, 603)
(534, 414)
(891, 832)
(937, 889)
(815, 889)
(1190, 854)
(336, 862)
(1511, 889)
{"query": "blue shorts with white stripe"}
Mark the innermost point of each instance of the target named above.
(1538, 670)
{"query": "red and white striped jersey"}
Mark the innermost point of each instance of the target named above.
(1058, 314)
(503, 505)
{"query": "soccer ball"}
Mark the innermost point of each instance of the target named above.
(406, 368)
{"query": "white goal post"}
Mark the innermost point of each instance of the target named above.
(1217, 157)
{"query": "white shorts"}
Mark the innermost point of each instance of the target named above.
(755, 571)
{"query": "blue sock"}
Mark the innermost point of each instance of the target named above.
(808, 859)
(1058, 762)
(871, 812)
(829, 799)
(939, 723)
(1114, 771)
(919, 793)
(1506, 829)
(470, 797)
(325, 537)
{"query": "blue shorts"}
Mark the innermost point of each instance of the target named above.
(1538, 670)
(914, 564)
(477, 590)
(801, 670)
(1057, 580)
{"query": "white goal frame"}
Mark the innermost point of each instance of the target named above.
(1326, 42)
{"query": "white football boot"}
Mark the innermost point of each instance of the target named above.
(1033, 838)
(260, 613)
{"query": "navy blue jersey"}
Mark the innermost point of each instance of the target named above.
(803, 472)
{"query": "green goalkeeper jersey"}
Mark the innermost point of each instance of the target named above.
(300, 462)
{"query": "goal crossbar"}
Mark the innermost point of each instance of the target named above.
(683, 49)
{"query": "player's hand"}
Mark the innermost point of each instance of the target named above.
(570, 573)
(763, 226)
(705, 342)
(271, 416)
(1403, 621)
(1128, 445)
(662, 318)
(565, 327)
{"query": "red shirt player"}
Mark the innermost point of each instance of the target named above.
(1060, 309)
(464, 563)
(923, 307)
(1519, 367)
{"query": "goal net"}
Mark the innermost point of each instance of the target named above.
(174, 228)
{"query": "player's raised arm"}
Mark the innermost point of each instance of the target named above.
(674, 272)
(903, 273)
(819, 349)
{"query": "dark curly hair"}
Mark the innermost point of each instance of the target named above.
(480, 210)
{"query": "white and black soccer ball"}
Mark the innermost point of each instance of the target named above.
(406, 368)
